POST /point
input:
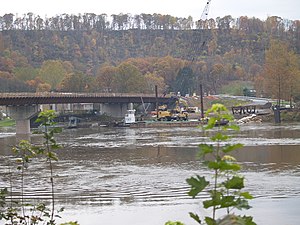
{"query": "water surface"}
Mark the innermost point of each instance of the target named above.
(137, 176)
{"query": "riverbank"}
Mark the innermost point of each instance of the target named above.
(6, 122)
(292, 115)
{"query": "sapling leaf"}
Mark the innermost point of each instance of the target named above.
(248, 220)
(197, 185)
(205, 149)
(195, 217)
(246, 195)
(213, 165)
(242, 204)
(227, 201)
(210, 221)
(229, 148)
(55, 146)
(57, 130)
(211, 123)
(52, 155)
(219, 137)
(216, 197)
(235, 183)
(233, 127)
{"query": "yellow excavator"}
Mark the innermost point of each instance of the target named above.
(165, 114)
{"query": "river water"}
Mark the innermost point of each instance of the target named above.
(131, 176)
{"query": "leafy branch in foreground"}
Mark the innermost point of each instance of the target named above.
(225, 187)
(46, 118)
(38, 213)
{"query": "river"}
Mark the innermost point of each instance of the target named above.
(131, 176)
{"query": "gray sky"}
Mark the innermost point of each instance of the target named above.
(288, 9)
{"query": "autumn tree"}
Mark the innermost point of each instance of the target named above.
(6, 64)
(152, 80)
(129, 79)
(106, 78)
(37, 84)
(168, 68)
(77, 82)
(26, 73)
(52, 72)
(43, 87)
(216, 76)
(8, 83)
(145, 65)
(281, 71)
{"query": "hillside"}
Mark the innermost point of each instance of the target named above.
(49, 54)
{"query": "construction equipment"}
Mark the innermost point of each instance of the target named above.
(172, 115)
(205, 11)
(165, 114)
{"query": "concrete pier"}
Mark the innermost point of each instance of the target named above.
(115, 109)
(22, 114)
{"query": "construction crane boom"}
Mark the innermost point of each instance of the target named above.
(205, 11)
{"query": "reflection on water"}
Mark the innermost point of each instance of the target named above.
(125, 171)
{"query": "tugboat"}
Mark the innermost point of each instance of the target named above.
(128, 119)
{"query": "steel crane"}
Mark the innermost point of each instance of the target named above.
(205, 11)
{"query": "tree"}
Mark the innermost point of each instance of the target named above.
(129, 79)
(168, 68)
(43, 87)
(106, 78)
(6, 64)
(26, 73)
(8, 21)
(77, 82)
(36, 83)
(216, 76)
(280, 71)
(185, 81)
(52, 72)
(152, 80)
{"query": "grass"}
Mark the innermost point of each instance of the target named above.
(236, 87)
(6, 122)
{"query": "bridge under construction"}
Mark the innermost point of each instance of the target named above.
(23, 106)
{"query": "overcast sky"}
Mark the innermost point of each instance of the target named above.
(288, 9)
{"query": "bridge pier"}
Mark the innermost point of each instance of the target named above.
(115, 109)
(22, 114)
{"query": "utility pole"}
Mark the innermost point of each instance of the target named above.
(201, 102)
(156, 101)
(277, 107)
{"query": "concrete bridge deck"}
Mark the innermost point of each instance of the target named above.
(62, 98)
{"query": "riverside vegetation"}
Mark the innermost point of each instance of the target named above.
(225, 187)
(14, 209)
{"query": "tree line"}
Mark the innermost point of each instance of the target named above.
(92, 21)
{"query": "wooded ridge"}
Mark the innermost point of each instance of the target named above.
(92, 53)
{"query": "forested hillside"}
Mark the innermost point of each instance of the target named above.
(89, 52)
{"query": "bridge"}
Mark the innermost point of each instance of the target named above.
(16, 99)
(23, 106)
